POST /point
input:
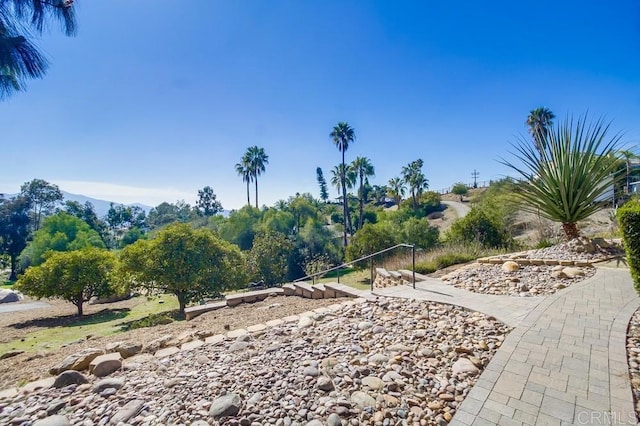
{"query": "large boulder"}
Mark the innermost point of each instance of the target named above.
(103, 365)
(78, 361)
(10, 296)
(510, 266)
(125, 349)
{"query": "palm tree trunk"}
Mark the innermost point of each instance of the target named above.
(256, 177)
(344, 200)
(361, 196)
(570, 231)
(248, 199)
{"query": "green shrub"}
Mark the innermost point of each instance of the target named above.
(418, 232)
(481, 226)
(372, 238)
(629, 222)
(447, 255)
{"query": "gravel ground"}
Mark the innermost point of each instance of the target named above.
(374, 363)
(32, 366)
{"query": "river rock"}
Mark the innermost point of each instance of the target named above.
(109, 383)
(125, 349)
(226, 405)
(510, 266)
(464, 365)
(69, 377)
(9, 296)
(362, 399)
(130, 409)
(55, 420)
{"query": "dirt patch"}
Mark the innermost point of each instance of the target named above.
(33, 366)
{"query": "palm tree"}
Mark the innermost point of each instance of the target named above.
(565, 181)
(19, 58)
(628, 155)
(413, 176)
(243, 169)
(539, 122)
(342, 135)
(337, 175)
(257, 159)
(396, 189)
(363, 170)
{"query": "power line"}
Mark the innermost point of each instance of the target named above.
(475, 175)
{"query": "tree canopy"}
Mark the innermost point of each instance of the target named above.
(191, 264)
(75, 276)
(14, 229)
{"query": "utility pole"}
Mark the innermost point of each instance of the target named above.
(475, 175)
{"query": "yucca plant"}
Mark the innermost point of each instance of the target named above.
(565, 181)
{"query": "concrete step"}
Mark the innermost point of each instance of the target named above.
(395, 274)
(383, 273)
(319, 291)
(193, 311)
(289, 289)
(408, 275)
(303, 289)
(252, 296)
(342, 290)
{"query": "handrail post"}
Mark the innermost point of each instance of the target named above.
(371, 271)
(413, 261)
(338, 271)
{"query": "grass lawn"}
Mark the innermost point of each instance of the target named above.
(359, 279)
(103, 323)
(6, 285)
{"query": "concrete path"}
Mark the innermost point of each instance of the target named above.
(460, 208)
(15, 307)
(564, 363)
(510, 310)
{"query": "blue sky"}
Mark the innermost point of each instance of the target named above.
(155, 99)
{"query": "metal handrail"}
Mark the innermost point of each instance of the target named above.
(369, 256)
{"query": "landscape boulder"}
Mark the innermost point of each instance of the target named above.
(10, 296)
(69, 377)
(510, 266)
(103, 365)
(226, 405)
(78, 361)
(125, 349)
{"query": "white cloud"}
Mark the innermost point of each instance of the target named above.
(124, 193)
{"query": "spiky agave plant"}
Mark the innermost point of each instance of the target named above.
(565, 180)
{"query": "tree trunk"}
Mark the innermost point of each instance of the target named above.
(79, 306)
(248, 199)
(570, 231)
(14, 262)
(182, 301)
(361, 196)
(256, 191)
(344, 201)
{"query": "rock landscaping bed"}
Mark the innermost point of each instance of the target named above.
(513, 279)
(633, 356)
(381, 362)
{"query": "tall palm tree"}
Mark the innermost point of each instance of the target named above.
(243, 169)
(539, 122)
(342, 135)
(363, 170)
(337, 175)
(396, 189)
(257, 159)
(565, 181)
(19, 19)
(413, 176)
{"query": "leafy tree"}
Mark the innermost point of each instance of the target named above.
(60, 232)
(14, 229)
(342, 135)
(363, 169)
(243, 169)
(417, 231)
(239, 228)
(479, 225)
(413, 176)
(86, 212)
(166, 213)
(257, 159)
(43, 197)
(131, 236)
(207, 203)
(372, 238)
(324, 193)
(627, 156)
(564, 181)
(75, 276)
(191, 264)
(20, 60)
(275, 220)
(378, 193)
(303, 208)
(396, 189)
(460, 189)
(540, 121)
(269, 257)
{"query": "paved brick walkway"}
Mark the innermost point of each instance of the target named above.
(564, 363)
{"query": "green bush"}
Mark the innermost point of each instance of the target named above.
(372, 238)
(481, 226)
(447, 255)
(629, 222)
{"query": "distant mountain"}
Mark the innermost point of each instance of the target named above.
(101, 206)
